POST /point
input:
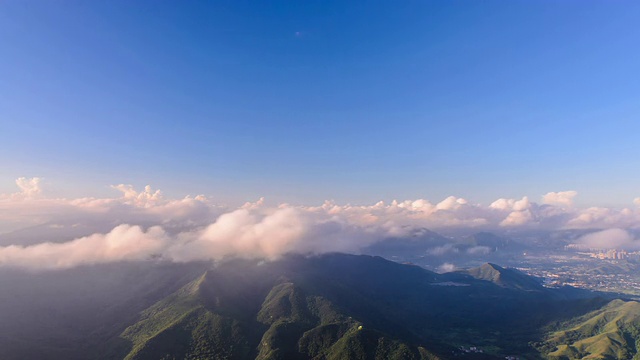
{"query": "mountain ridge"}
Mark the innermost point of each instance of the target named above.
(337, 306)
(610, 332)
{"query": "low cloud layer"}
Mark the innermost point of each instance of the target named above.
(43, 233)
(610, 239)
(124, 242)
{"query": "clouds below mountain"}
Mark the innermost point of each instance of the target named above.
(143, 224)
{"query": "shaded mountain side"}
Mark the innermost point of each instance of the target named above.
(288, 325)
(345, 306)
(423, 245)
(493, 241)
(72, 314)
(611, 332)
(415, 245)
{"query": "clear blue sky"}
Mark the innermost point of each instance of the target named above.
(302, 101)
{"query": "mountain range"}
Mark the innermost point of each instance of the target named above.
(332, 306)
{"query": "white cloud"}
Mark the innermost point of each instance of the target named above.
(254, 205)
(248, 233)
(29, 187)
(195, 228)
(502, 204)
(608, 239)
(446, 267)
(252, 233)
(517, 218)
(124, 242)
(563, 198)
(478, 250)
(597, 217)
(511, 204)
(146, 198)
(451, 203)
(518, 212)
(522, 204)
(148, 207)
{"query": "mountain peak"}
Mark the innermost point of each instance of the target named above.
(508, 278)
(493, 266)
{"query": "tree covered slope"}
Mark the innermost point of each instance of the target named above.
(349, 307)
(211, 318)
(611, 332)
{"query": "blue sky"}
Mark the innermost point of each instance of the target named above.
(306, 101)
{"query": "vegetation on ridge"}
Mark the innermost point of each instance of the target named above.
(350, 307)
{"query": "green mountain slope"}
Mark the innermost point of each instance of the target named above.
(348, 307)
(196, 323)
(612, 332)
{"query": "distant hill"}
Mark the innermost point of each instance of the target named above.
(424, 246)
(415, 245)
(493, 241)
(509, 278)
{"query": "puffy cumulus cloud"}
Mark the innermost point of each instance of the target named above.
(253, 205)
(511, 204)
(502, 204)
(609, 239)
(597, 217)
(148, 207)
(146, 198)
(61, 230)
(562, 198)
(522, 205)
(30, 187)
(515, 212)
(517, 218)
(451, 203)
(453, 212)
(637, 201)
(274, 232)
(247, 233)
